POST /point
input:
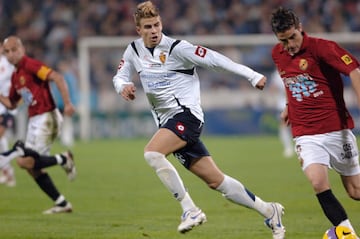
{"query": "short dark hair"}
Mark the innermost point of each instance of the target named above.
(283, 19)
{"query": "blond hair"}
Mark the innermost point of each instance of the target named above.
(145, 10)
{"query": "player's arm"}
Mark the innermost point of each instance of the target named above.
(199, 55)
(355, 80)
(284, 116)
(122, 79)
(60, 82)
(7, 103)
(11, 100)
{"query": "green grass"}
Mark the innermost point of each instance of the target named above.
(117, 195)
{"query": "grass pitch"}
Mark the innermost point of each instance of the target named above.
(118, 196)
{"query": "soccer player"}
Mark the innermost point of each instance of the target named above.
(30, 83)
(310, 69)
(7, 120)
(167, 70)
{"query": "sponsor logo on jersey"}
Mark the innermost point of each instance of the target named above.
(200, 51)
(180, 127)
(162, 57)
(152, 65)
(346, 59)
(303, 64)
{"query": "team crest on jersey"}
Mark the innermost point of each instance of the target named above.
(200, 51)
(22, 80)
(162, 57)
(346, 59)
(180, 127)
(303, 64)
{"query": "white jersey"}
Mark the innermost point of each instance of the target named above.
(168, 74)
(6, 70)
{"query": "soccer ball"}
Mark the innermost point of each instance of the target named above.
(339, 232)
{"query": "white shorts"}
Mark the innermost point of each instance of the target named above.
(42, 131)
(337, 150)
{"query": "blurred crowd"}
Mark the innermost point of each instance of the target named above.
(51, 29)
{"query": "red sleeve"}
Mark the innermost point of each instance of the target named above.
(336, 56)
(38, 68)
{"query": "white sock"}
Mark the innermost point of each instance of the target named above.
(170, 178)
(285, 136)
(187, 203)
(347, 223)
(234, 191)
(4, 146)
(59, 159)
(60, 199)
(5, 159)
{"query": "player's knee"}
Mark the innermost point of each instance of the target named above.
(153, 158)
(25, 162)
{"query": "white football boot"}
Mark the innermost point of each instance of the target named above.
(190, 219)
(274, 222)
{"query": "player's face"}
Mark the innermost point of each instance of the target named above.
(150, 30)
(13, 50)
(291, 40)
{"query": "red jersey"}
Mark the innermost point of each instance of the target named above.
(314, 86)
(29, 82)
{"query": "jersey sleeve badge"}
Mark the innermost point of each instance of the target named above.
(346, 59)
(200, 51)
(43, 72)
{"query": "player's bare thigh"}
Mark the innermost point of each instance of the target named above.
(206, 169)
(164, 141)
(317, 174)
(352, 186)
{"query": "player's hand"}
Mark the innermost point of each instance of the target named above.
(128, 93)
(69, 109)
(261, 84)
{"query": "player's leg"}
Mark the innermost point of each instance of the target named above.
(7, 176)
(162, 143)
(286, 140)
(236, 192)
(314, 153)
(352, 186)
(33, 160)
(317, 174)
(7, 170)
(40, 135)
(348, 166)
